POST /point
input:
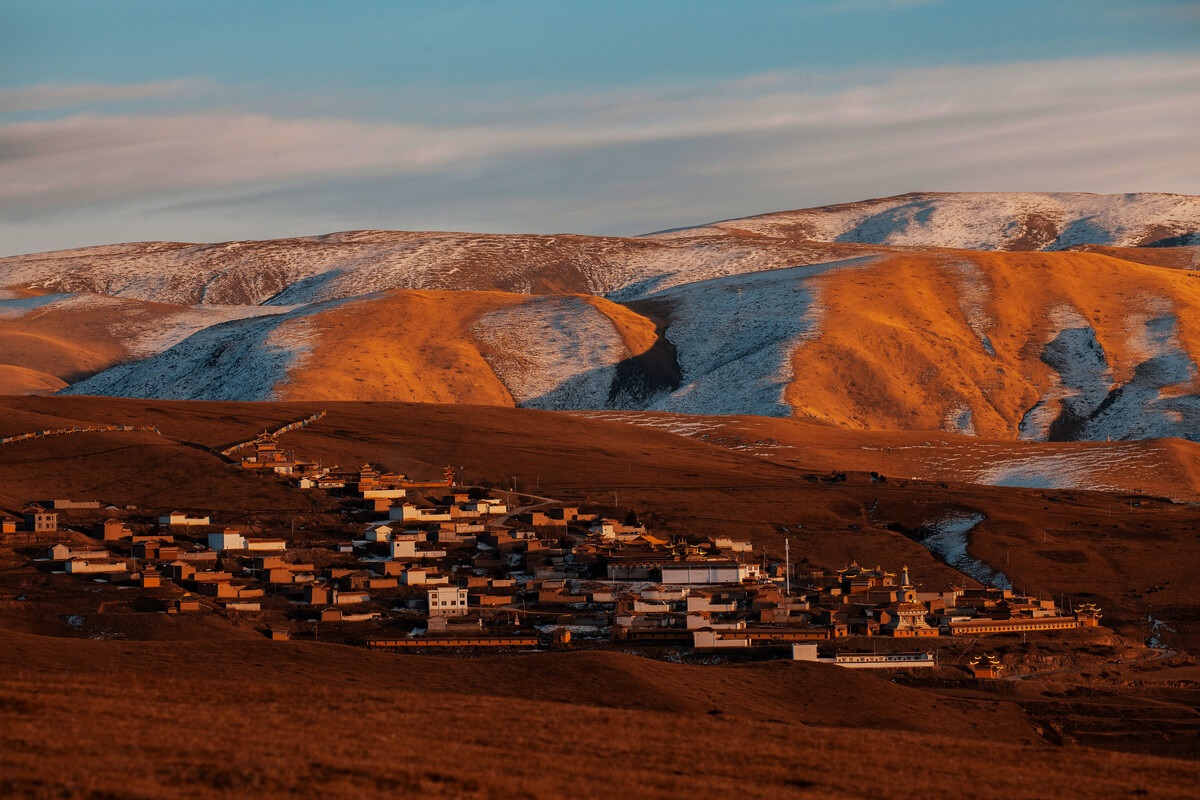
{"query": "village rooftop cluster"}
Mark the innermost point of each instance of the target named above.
(432, 565)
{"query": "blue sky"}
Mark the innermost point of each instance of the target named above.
(209, 121)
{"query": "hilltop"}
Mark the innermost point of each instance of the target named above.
(859, 315)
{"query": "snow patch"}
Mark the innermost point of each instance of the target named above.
(246, 359)
(553, 352)
(949, 538)
(734, 338)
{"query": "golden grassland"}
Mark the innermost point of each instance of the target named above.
(232, 718)
(201, 706)
(897, 348)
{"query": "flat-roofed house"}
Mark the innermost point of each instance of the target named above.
(39, 520)
(447, 601)
(707, 572)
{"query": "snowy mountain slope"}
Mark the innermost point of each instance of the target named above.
(745, 316)
(244, 359)
(734, 338)
(989, 221)
(291, 272)
(1155, 402)
(553, 352)
(314, 269)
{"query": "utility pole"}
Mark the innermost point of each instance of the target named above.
(787, 567)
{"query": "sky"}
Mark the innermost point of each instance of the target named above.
(132, 120)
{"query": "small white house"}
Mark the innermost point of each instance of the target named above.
(79, 566)
(228, 539)
(375, 494)
(408, 512)
(265, 545)
(730, 544)
(407, 549)
(603, 528)
(708, 572)
(380, 533)
(447, 601)
(179, 518)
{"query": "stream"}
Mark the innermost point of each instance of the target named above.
(948, 538)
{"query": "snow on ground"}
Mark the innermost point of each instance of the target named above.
(173, 329)
(705, 429)
(974, 297)
(684, 426)
(1084, 376)
(553, 352)
(959, 419)
(949, 538)
(245, 359)
(1090, 406)
(14, 306)
(1088, 470)
(734, 338)
(987, 220)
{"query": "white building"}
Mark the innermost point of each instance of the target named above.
(79, 566)
(179, 518)
(731, 544)
(404, 549)
(408, 512)
(447, 601)
(373, 494)
(693, 573)
(265, 545)
(228, 539)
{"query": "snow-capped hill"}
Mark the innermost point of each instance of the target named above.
(244, 359)
(292, 272)
(989, 221)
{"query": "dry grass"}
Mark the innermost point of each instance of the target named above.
(288, 719)
(897, 351)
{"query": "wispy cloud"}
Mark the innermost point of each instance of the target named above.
(56, 96)
(628, 161)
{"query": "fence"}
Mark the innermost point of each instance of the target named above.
(20, 437)
(291, 426)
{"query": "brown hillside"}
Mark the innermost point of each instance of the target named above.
(405, 345)
(1161, 467)
(19, 380)
(1097, 545)
(897, 349)
(231, 718)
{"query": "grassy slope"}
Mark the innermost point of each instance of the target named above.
(897, 351)
(232, 718)
(219, 711)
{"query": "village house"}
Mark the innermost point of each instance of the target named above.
(181, 519)
(155, 548)
(82, 505)
(78, 566)
(407, 512)
(112, 529)
(406, 549)
(730, 544)
(64, 552)
(228, 539)
(447, 601)
(708, 572)
(39, 520)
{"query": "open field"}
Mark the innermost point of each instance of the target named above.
(164, 706)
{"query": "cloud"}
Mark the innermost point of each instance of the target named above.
(620, 161)
(54, 96)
